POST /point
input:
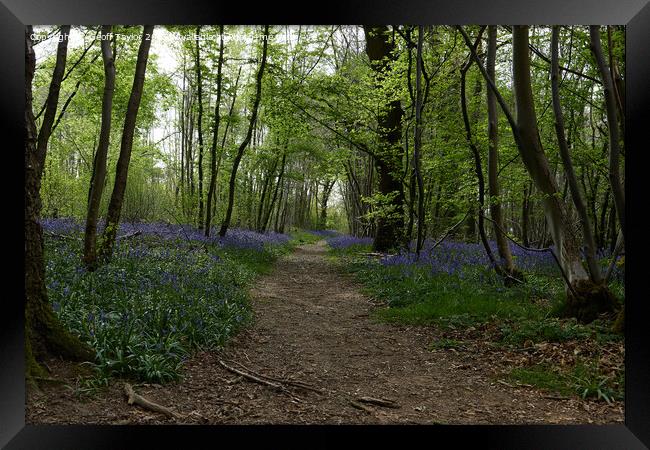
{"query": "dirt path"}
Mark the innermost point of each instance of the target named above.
(313, 325)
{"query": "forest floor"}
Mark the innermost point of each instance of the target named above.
(313, 326)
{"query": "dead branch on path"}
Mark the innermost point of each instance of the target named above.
(133, 398)
(361, 406)
(379, 402)
(251, 376)
(298, 384)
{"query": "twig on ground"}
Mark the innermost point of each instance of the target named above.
(251, 376)
(133, 398)
(130, 235)
(361, 406)
(379, 401)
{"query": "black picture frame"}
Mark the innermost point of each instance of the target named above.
(15, 14)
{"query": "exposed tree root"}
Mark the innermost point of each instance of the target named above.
(133, 398)
(589, 301)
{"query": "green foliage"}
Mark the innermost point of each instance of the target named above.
(156, 302)
(544, 330)
(583, 380)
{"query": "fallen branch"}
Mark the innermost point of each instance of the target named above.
(251, 377)
(379, 401)
(133, 398)
(361, 406)
(298, 384)
(127, 236)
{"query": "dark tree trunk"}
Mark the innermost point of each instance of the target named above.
(215, 135)
(388, 158)
(327, 190)
(586, 299)
(525, 217)
(612, 123)
(99, 164)
(247, 138)
(417, 145)
(269, 211)
(493, 160)
(199, 91)
(122, 169)
(43, 332)
(571, 180)
(477, 159)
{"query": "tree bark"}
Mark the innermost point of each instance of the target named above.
(493, 158)
(591, 298)
(199, 90)
(215, 135)
(122, 169)
(612, 124)
(389, 233)
(417, 144)
(265, 221)
(590, 245)
(99, 164)
(477, 160)
(43, 332)
(247, 138)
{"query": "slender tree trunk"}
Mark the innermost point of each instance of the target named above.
(390, 223)
(612, 124)
(43, 332)
(122, 169)
(585, 299)
(477, 161)
(327, 190)
(265, 188)
(525, 216)
(247, 138)
(581, 209)
(265, 221)
(418, 141)
(199, 87)
(215, 136)
(99, 164)
(493, 159)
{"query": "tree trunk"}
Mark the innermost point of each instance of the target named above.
(122, 169)
(417, 144)
(215, 135)
(493, 159)
(327, 190)
(199, 87)
(247, 138)
(612, 124)
(581, 209)
(99, 164)
(477, 161)
(269, 211)
(525, 216)
(43, 332)
(586, 299)
(390, 223)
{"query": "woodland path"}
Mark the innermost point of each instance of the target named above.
(312, 325)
